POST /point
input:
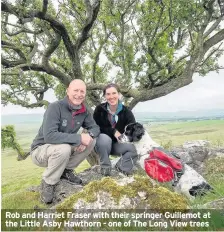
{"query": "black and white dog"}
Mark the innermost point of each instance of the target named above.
(190, 183)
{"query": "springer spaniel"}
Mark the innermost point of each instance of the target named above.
(190, 183)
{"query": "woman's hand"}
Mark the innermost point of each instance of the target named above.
(117, 134)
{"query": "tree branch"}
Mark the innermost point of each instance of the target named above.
(33, 105)
(142, 44)
(10, 64)
(221, 6)
(180, 36)
(209, 10)
(36, 67)
(9, 74)
(127, 92)
(54, 43)
(6, 44)
(156, 92)
(92, 12)
(182, 58)
(23, 29)
(45, 4)
(99, 50)
(32, 53)
(213, 27)
(218, 37)
(150, 52)
(157, 24)
(127, 7)
(214, 50)
(57, 25)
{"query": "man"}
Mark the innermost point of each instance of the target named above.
(57, 145)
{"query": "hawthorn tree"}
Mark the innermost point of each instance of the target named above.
(150, 48)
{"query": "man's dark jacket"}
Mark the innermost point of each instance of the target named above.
(125, 116)
(61, 124)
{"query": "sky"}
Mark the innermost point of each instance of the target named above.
(203, 93)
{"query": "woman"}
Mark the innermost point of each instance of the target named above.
(112, 117)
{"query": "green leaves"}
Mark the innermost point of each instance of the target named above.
(9, 139)
(137, 44)
(60, 91)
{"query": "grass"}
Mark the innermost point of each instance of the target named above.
(178, 132)
(214, 174)
(17, 176)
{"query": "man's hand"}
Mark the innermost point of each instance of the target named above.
(86, 139)
(117, 134)
(80, 148)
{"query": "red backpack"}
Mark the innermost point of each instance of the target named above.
(163, 167)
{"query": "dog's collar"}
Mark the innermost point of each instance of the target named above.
(123, 138)
(128, 125)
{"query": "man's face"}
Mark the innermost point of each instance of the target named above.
(76, 92)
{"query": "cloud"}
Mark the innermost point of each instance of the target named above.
(203, 93)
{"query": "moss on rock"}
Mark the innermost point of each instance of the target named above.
(156, 197)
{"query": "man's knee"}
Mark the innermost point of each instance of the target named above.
(91, 145)
(62, 152)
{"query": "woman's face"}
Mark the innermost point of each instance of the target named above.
(112, 96)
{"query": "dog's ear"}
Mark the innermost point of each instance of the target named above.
(138, 126)
(137, 138)
(138, 132)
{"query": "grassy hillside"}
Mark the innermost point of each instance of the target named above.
(19, 175)
(177, 133)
